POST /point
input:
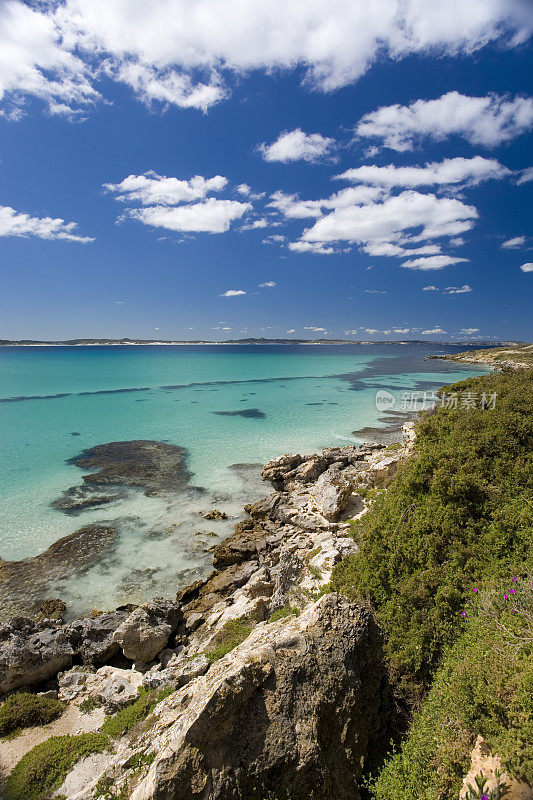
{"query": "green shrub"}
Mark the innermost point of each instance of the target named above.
(24, 710)
(122, 721)
(230, 636)
(44, 768)
(281, 613)
(459, 512)
(484, 687)
(88, 705)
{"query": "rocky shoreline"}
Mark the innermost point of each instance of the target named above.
(311, 660)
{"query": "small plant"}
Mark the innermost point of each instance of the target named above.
(285, 611)
(44, 768)
(124, 720)
(230, 636)
(25, 710)
(481, 792)
(88, 705)
(314, 572)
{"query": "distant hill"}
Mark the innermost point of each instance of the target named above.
(250, 341)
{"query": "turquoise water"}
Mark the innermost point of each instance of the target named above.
(58, 401)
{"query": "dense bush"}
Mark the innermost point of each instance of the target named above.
(24, 710)
(459, 512)
(124, 720)
(484, 687)
(44, 768)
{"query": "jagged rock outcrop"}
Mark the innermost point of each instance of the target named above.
(293, 710)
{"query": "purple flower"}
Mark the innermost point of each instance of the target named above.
(476, 589)
(484, 797)
(512, 591)
(463, 613)
(505, 597)
(514, 580)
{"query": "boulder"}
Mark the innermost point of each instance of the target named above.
(147, 630)
(31, 653)
(331, 493)
(242, 545)
(278, 469)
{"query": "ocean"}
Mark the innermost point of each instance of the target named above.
(57, 401)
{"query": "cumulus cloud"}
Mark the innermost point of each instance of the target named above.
(14, 223)
(450, 171)
(390, 220)
(268, 284)
(469, 331)
(166, 53)
(293, 208)
(151, 188)
(211, 216)
(458, 289)
(510, 244)
(431, 331)
(401, 330)
(431, 262)
(232, 293)
(291, 330)
(314, 329)
(527, 267)
(370, 330)
(274, 238)
(316, 248)
(487, 121)
(429, 289)
(297, 146)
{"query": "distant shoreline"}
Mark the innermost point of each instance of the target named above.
(245, 343)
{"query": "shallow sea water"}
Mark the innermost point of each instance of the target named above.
(57, 401)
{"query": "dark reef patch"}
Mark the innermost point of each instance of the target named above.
(25, 584)
(249, 413)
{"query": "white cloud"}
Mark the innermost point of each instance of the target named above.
(401, 330)
(211, 216)
(526, 176)
(432, 331)
(528, 267)
(458, 289)
(291, 330)
(469, 331)
(370, 330)
(488, 121)
(317, 248)
(389, 220)
(314, 329)
(267, 284)
(232, 293)
(450, 171)
(246, 191)
(432, 262)
(255, 224)
(297, 146)
(375, 291)
(14, 223)
(151, 188)
(429, 289)
(510, 244)
(173, 52)
(274, 238)
(294, 208)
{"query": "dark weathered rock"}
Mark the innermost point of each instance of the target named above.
(92, 637)
(52, 609)
(242, 545)
(31, 653)
(215, 514)
(277, 470)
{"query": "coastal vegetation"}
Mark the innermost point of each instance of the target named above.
(25, 710)
(230, 636)
(444, 560)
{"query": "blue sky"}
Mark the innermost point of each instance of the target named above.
(110, 109)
